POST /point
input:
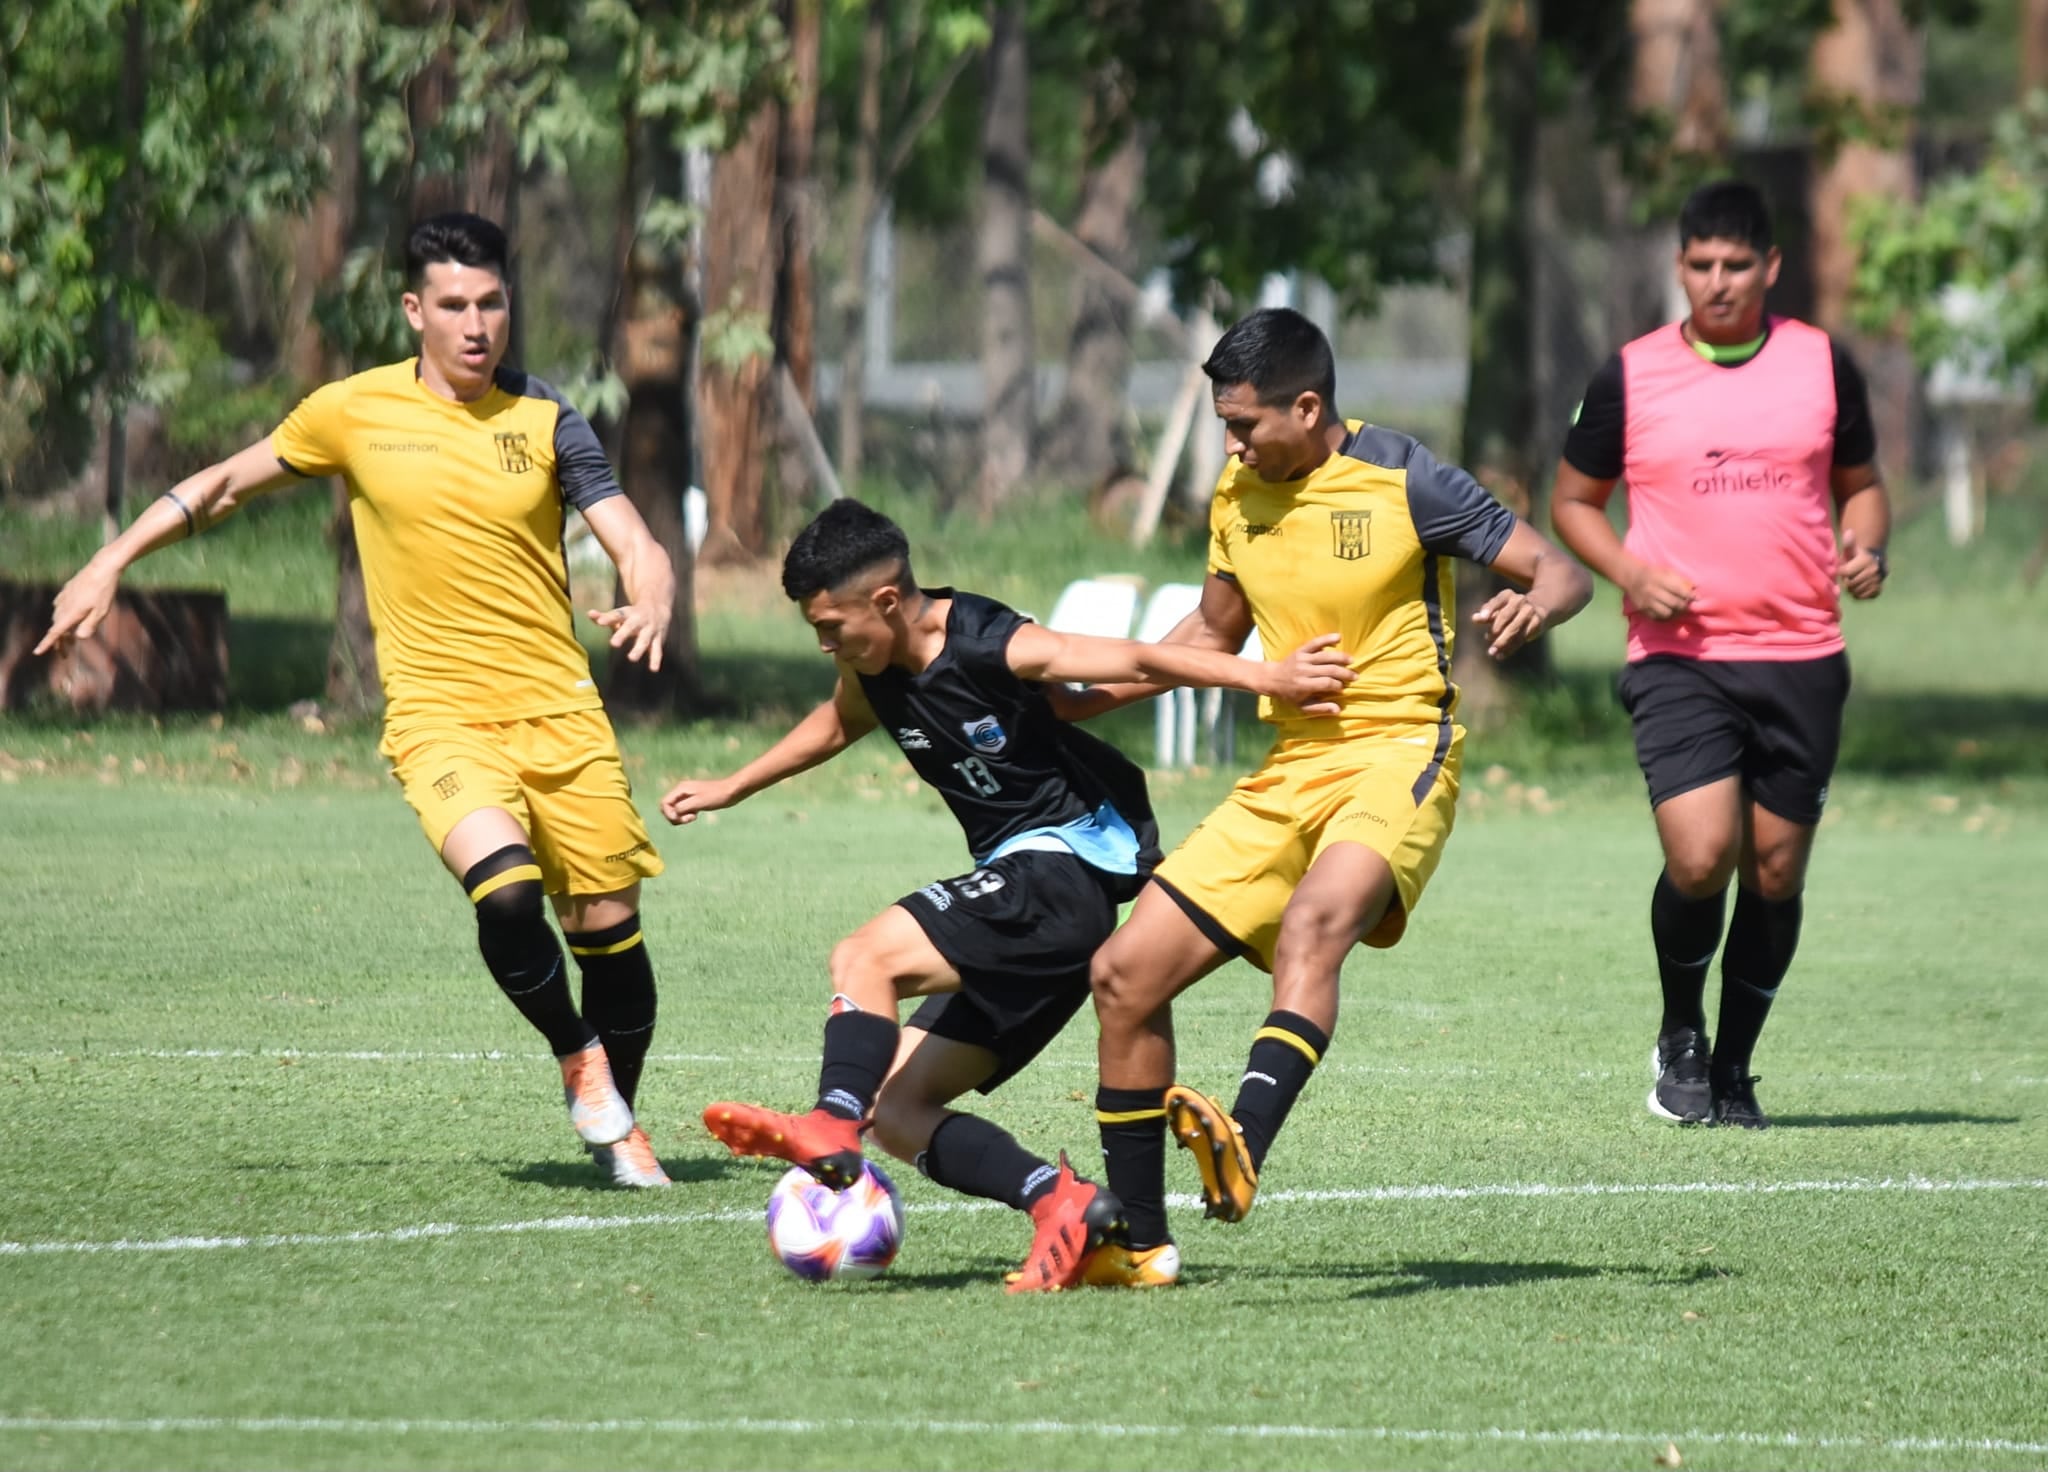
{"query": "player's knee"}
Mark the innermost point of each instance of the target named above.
(895, 1123)
(853, 965)
(1780, 874)
(506, 889)
(1698, 870)
(1118, 988)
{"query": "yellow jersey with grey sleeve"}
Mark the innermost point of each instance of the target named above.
(1360, 547)
(459, 512)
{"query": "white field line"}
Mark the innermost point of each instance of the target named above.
(1106, 1431)
(428, 1231)
(496, 1055)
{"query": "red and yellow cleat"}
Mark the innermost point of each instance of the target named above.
(1070, 1220)
(1230, 1181)
(1112, 1265)
(824, 1144)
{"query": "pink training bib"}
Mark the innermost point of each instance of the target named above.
(1727, 472)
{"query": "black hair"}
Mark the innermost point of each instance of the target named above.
(1279, 354)
(1727, 209)
(466, 239)
(843, 541)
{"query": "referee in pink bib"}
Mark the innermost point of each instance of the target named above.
(1753, 497)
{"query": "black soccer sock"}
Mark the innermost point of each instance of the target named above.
(971, 1155)
(1133, 1125)
(859, 1047)
(1285, 1051)
(1762, 939)
(519, 946)
(618, 995)
(1686, 933)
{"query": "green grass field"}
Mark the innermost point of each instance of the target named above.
(289, 1183)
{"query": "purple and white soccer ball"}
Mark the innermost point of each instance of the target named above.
(819, 1233)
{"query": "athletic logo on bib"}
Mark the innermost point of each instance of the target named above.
(1351, 532)
(985, 735)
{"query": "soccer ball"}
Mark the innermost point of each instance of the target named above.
(819, 1233)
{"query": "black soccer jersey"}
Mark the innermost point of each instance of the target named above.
(989, 742)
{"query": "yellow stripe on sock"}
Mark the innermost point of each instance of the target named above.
(1282, 1035)
(1127, 1116)
(611, 950)
(498, 881)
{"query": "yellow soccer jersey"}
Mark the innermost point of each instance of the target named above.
(1360, 547)
(458, 513)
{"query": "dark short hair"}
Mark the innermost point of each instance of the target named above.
(1279, 354)
(843, 541)
(1727, 209)
(466, 239)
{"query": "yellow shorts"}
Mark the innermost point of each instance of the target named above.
(1396, 794)
(560, 776)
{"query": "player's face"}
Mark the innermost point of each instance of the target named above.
(854, 625)
(1725, 282)
(1276, 442)
(464, 318)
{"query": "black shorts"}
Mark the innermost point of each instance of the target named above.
(1776, 724)
(1020, 931)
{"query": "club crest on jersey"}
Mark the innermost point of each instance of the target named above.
(512, 455)
(1351, 534)
(986, 735)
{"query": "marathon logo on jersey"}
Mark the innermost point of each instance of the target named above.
(403, 447)
(1351, 534)
(1739, 472)
(1253, 530)
(512, 456)
(910, 738)
(986, 735)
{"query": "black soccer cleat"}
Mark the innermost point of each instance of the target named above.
(1683, 1093)
(1735, 1103)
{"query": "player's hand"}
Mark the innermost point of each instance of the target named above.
(694, 795)
(1660, 593)
(82, 605)
(636, 627)
(1861, 570)
(1311, 676)
(1510, 619)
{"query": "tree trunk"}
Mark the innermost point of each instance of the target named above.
(795, 313)
(862, 209)
(1008, 355)
(1872, 59)
(2033, 45)
(651, 344)
(741, 264)
(1500, 401)
(1678, 89)
(1089, 436)
(119, 331)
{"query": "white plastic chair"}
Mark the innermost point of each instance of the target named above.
(1103, 607)
(1219, 706)
(1173, 714)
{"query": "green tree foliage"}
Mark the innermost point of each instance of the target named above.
(221, 134)
(1965, 272)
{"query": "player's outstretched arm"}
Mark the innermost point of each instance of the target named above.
(818, 737)
(1310, 677)
(640, 624)
(185, 510)
(1222, 621)
(1578, 509)
(1557, 588)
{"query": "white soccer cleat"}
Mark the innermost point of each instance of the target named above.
(631, 1162)
(596, 1107)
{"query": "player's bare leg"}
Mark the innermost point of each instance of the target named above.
(888, 958)
(489, 851)
(1345, 894)
(1701, 834)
